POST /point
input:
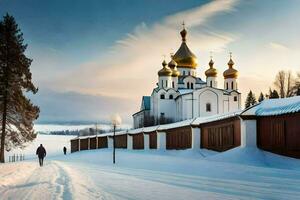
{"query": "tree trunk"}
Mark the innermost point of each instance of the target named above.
(3, 133)
(4, 114)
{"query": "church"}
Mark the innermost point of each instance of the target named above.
(181, 94)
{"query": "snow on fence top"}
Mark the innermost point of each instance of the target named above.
(202, 120)
(271, 107)
(175, 125)
(150, 129)
(196, 121)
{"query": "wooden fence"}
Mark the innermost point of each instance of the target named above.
(16, 158)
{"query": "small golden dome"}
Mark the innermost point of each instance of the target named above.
(211, 72)
(173, 66)
(175, 72)
(184, 57)
(230, 72)
(172, 63)
(165, 71)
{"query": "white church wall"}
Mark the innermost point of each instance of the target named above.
(165, 81)
(187, 71)
(212, 82)
(189, 82)
(187, 107)
(208, 96)
(232, 84)
(234, 105)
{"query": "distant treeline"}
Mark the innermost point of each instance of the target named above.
(83, 132)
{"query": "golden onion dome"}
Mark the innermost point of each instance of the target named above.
(172, 63)
(173, 66)
(165, 71)
(184, 57)
(175, 72)
(211, 72)
(230, 72)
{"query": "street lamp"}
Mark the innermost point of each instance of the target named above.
(115, 120)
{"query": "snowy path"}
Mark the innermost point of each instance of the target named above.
(90, 175)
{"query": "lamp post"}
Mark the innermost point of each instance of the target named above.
(116, 120)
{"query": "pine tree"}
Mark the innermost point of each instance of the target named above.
(298, 92)
(274, 94)
(261, 97)
(16, 110)
(250, 100)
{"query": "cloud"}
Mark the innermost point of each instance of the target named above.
(278, 46)
(129, 69)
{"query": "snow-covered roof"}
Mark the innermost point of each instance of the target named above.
(185, 91)
(202, 120)
(271, 107)
(175, 125)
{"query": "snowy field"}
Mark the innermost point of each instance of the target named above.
(53, 144)
(138, 174)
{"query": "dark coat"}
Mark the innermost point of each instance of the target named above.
(41, 152)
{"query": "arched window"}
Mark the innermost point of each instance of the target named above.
(173, 85)
(171, 96)
(183, 73)
(210, 83)
(188, 85)
(226, 86)
(189, 73)
(162, 96)
(162, 83)
(208, 107)
(192, 85)
(166, 83)
(232, 85)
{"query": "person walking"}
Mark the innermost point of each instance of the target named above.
(65, 150)
(41, 153)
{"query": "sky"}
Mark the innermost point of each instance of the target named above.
(95, 58)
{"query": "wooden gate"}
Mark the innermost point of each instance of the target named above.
(121, 141)
(279, 134)
(138, 141)
(221, 135)
(84, 144)
(102, 142)
(93, 142)
(74, 145)
(179, 138)
(152, 140)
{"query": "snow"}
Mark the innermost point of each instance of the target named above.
(271, 107)
(53, 143)
(175, 125)
(202, 120)
(240, 173)
(185, 91)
